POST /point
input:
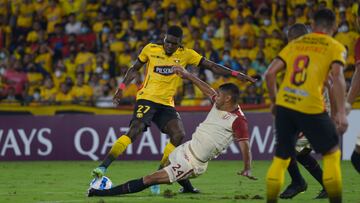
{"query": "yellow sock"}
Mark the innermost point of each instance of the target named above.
(275, 178)
(119, 146)
(168, 149)
(332, 176)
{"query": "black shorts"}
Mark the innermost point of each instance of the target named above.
(319, 129)
(147, 111)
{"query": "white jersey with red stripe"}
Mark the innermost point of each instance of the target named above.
(216, 133)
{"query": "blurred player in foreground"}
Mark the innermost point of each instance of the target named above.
(353, 93)
(300, 103)
(224, 123)
(303, 148)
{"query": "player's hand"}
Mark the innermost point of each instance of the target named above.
(341, 123)
(117, 97)
(247, 173)
(180, 71)
(244, 77)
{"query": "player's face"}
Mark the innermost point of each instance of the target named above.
(220, 99)
(171, 44)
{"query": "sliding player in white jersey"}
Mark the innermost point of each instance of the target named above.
(225, 123)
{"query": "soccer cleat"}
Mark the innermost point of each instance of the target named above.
(90, 192)
(155, 189)
(322, 194)
(98, 172)
(194, 190)
(292, 190)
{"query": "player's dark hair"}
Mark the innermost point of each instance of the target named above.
(324, 18)
(231, 89)
(296, 30)
(175, 30)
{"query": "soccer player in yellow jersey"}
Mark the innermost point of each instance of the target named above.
(154, 101)
(303, 148)
(300, 105)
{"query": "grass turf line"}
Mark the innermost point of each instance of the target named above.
(67, 181)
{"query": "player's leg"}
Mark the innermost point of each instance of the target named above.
(175, 129)
(133, 186)
(322, 135)
(297, 184)
(179, 167)
(332, 175)
(285, 148)
(170, 123)
(312, 166)
(142, 116)
(355, 157)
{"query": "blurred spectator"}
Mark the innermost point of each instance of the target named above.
(129, 94)
(72, 26)
(85, 59)
(259, 64)
(81, 92)
(15, 79)
(5, 32)
(189, 98)
(44, 57)
(48, 91)
(53, 15)
(251, 96)
(63, 96)
(228, 61)
(105, 100)
(210, 52)
(11, 97)
(347, 38)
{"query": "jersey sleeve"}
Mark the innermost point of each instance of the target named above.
(285, 52)
(143, 56)
(340, 54)
(193, 58)
(357, 51)
(240, 129)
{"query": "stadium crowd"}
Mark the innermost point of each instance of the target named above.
(78, 51)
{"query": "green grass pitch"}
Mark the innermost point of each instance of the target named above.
(59, 181)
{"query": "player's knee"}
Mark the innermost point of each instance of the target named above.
(136, 128)
(176, 138)
(355, 160)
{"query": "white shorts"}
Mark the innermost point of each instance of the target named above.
(302, 143)
(183, 165)
(358, 140)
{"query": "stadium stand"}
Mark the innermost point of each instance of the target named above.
(77, 51)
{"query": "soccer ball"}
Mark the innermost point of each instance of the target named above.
(101, 183)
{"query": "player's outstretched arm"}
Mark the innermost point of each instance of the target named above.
(355, 85)
(247, 158)
(203, 86)
(339, 90)
(129, 76)
(222, 70)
